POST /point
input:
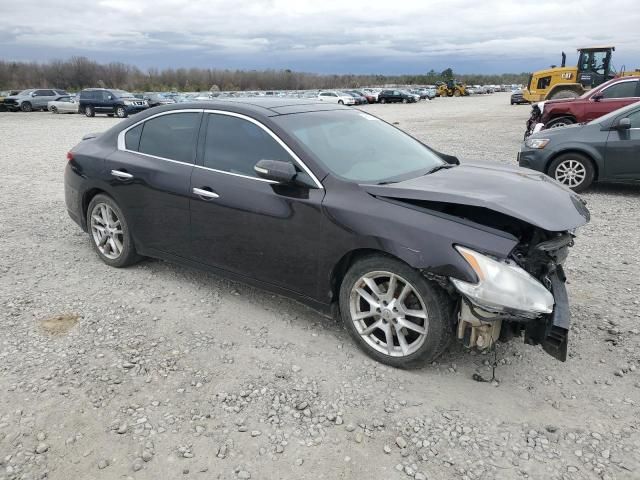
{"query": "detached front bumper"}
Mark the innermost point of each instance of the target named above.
(552, 331)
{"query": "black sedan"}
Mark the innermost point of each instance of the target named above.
(402, 242)
(395, 96)
(605, 149)
(518, 98)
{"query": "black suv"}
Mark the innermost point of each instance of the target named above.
(391, 96)
(111, 102)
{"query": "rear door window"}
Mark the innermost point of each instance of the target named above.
(621, 90)
(171, 136)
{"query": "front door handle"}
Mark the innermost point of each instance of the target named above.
(121, 175)
(205, 194)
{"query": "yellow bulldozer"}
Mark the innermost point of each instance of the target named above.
(594, 67)
(451, 88)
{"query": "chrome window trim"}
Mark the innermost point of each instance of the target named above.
(122, 147)
(274, 136)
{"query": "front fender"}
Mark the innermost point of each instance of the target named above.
(579, 147)
(423, 239)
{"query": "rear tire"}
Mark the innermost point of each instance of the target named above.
(54, 109)
(573, 170)
(383, 100)
(26, 107)
(119, 239)
(418, 347)
(89, 111)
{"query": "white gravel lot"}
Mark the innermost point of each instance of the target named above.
(161, 372)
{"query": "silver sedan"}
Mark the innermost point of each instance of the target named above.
(67, 104)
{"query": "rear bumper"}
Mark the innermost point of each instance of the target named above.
(73, 197)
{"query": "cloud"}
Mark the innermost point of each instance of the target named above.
(409, 35)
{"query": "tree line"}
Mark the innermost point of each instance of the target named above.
(77, 73)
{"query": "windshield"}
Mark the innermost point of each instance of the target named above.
(360, 147)
(620, 112)
(122, 94)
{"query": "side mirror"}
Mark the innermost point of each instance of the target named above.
(109, 97)
(597, 97)
(34, 94)
(276, 170)
(623, 124)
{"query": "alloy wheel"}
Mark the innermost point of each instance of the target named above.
(388, 313)
(106, 229)
(570, 173)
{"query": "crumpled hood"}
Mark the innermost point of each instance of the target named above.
(518, 192)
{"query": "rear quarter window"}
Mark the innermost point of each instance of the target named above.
(132, 138)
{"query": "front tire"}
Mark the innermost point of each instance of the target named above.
(559, 122)
(54, 109)
(121, 112)
(394, 314)
(573, 170)
(109, 232)
(383, 100)
(26, 107)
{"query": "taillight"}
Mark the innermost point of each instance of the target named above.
(69, 156)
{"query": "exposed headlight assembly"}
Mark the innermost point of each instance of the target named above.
(537, 143)
(503, 286)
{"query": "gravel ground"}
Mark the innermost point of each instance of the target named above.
(161, 372)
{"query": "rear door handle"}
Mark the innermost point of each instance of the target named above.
(205, 194)
(121, 175)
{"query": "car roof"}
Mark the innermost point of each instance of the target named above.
(268, 107)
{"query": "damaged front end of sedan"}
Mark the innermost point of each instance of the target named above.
(522, 288)
(523, 292)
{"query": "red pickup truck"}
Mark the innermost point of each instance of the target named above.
(610, 96)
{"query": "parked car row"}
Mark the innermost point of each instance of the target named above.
(119, 103)
(595, 137)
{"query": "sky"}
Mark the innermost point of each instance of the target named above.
(327, 36)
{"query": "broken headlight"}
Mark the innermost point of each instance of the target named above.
(503, 286)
